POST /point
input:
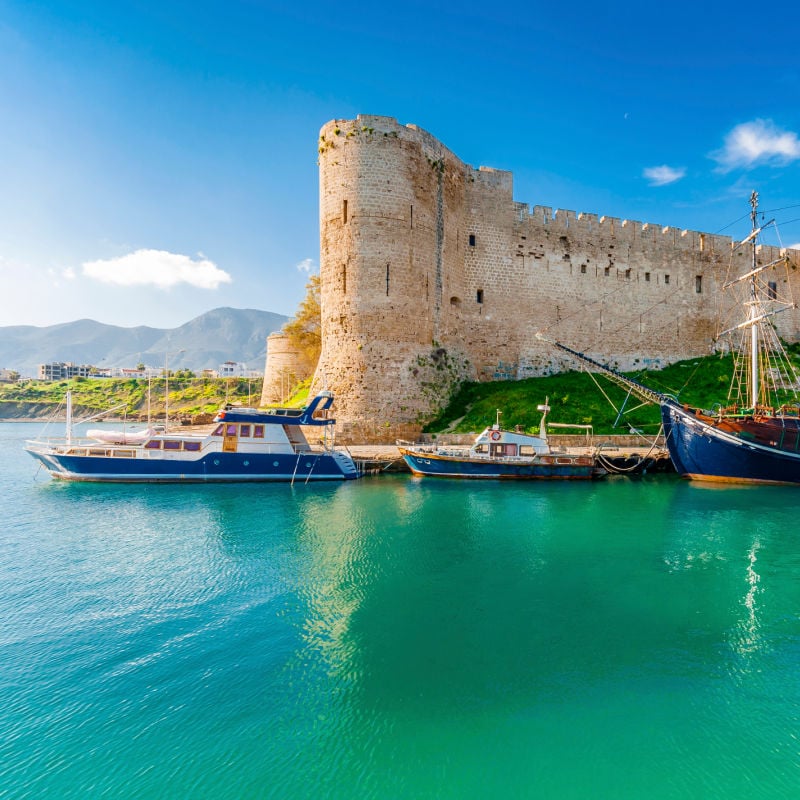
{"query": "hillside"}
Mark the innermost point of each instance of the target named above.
(223, 334)
(132, 398)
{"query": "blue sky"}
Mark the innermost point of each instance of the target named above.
(158, 159)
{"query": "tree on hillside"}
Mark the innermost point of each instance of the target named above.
(304, 331)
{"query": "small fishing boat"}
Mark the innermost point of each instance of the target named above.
(245, 444)
(499, 453)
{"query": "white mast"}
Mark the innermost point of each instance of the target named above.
(69, 418)
(754, 375)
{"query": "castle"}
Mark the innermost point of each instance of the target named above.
(431, 273)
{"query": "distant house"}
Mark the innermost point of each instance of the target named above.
(145, 372)
(232, 369)
(8, 375)
(64, 370)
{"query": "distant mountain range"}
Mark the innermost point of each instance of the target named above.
(223, 334)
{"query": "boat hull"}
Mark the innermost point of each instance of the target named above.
(539, 468)
(212, 468)
(704, 451)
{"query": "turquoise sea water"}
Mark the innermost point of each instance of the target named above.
(397, 638)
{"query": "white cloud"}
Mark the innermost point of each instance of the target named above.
(661, 176)
(757, 142)
(795, 246)
(68, 273)
(157, 268)
(306, 265)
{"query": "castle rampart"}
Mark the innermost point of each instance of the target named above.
(432, 273)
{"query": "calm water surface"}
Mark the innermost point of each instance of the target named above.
(397, 638)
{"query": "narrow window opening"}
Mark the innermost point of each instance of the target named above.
(772, 290)
(607, 271)
(411, 217)
(344, 211)
(698, 284)
(387, 280)
(666, 280)
(647, 277)
(344, 278)
(583, 269)
(472, 240)
(480, 295)
(628, 274)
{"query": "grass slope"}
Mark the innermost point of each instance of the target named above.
(574, 397)
(187, 396)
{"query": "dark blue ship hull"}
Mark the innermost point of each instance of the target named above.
(212, 468)
(704, 451)
(543, 468)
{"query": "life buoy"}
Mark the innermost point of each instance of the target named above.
(495, 435)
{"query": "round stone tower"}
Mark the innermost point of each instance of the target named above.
(284, 368)
(393, 240)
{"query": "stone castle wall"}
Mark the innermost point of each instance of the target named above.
(431, 273)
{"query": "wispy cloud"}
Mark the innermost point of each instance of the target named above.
(661, 176)
(157, 268)
(306, 265)
(758, 142)
(795, 246)
(56, 275)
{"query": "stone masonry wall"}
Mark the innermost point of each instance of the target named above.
(431, 273)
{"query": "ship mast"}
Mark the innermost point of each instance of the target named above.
(754, 374)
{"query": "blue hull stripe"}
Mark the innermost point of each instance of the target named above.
(454, 468)
(214, 467)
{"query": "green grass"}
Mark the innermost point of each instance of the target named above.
(186, 395)
(574, 397)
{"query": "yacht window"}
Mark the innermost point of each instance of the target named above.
(245, 431)
(258, 431)
(481, 448)
(153, 444)
(191, 445)
(218, 430)
(171, 444)
(230, 430)
(526, 450)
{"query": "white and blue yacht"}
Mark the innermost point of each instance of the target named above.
(245, 444)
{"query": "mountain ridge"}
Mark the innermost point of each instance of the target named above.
(221, 334)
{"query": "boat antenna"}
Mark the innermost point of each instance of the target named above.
(497, 423)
